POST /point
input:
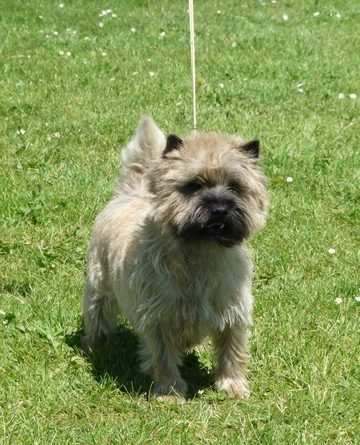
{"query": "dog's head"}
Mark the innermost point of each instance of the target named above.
(208, 187)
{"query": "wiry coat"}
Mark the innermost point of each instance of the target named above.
(175, 288)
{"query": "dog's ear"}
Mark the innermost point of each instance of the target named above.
(252, 148)
(173, 142)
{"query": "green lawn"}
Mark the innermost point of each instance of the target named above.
(71, 94)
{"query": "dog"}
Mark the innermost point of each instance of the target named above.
(169, 252)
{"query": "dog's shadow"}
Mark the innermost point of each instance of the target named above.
(117, 358)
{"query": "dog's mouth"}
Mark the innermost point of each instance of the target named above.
(215, 227)
(219, 232)
(224, 231)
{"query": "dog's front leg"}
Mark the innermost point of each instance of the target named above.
(232, 356)
(160, 358)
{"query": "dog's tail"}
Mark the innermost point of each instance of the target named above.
(148, 144)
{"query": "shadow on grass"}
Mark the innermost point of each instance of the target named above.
(118, 359)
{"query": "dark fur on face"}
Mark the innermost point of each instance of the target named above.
(208, 187)
(218, 215)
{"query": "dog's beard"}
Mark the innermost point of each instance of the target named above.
(227, 231)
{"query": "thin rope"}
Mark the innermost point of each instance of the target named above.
(192, 55)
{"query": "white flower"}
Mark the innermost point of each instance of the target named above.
(61, 53)
(162, 35)
(341, 96)
(316, 14)
(357, 299)
(55, 33)
(87, 38)
(101, 25)
(21, 131)
(113, 16)
(133, 29)
(338, 300)
(105, 12)
(218, 11)
(285, 17)
(353, 96)
(103, 53)
(57, 135)
(338, 15)
(61, 5)
(273, 1)
(68, 53)
(331, 251)
(149, 60)
(151, 73)
(233, 44)
(289, 179)
(221, 85)
(135, 73)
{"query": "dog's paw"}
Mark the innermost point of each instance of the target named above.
(235, 387)
(177, 388)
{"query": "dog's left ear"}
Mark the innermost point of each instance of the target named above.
(173, 142)
(252, 148)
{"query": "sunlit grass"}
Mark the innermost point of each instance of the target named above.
(71, 93)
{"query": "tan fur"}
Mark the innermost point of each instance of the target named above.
(177, 288)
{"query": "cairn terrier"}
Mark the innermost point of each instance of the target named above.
(169, 252)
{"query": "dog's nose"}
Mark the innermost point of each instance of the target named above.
(219, 210)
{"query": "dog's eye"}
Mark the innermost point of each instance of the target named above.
(192, 186)
(234, 186)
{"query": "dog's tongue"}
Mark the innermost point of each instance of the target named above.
(215, 226)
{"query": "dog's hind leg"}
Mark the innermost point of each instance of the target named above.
(99, 305)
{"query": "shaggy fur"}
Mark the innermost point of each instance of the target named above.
(169, 252)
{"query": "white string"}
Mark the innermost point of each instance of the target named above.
(192, 55)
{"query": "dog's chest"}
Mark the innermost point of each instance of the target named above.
(192, 297)
(202, 301)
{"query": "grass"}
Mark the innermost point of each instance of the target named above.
(63, 121)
